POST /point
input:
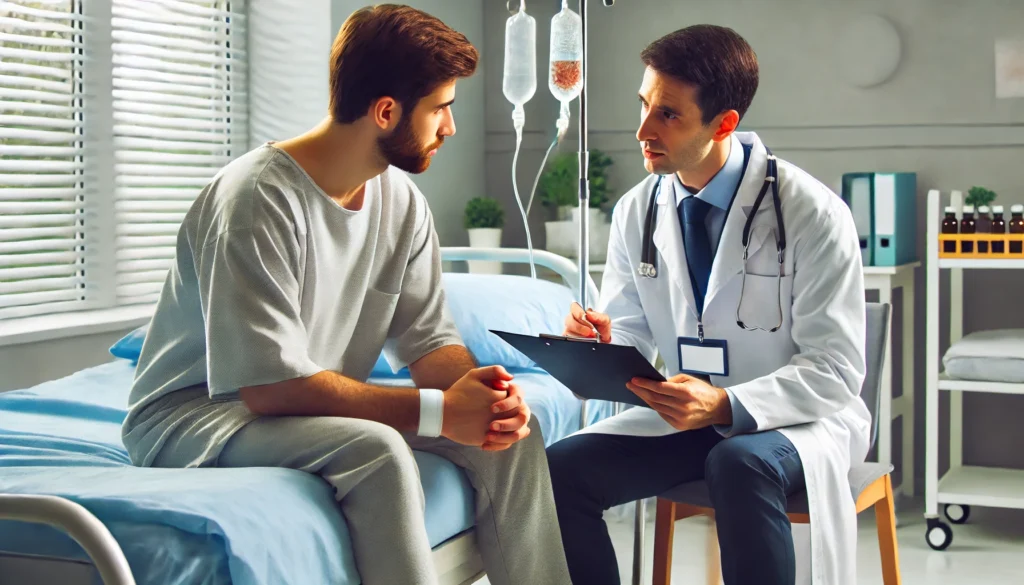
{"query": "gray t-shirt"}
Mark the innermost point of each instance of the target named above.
(272, 281)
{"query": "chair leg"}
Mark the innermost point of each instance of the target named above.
(664, 531)
(714, 554)
(885, 517)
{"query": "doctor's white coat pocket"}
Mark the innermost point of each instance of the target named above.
(764, 301)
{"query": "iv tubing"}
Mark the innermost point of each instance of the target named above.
(518, 121)
(540, 172)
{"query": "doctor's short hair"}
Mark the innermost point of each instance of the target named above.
(714, 59)
(394, 51)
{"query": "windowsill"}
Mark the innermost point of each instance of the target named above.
(73, 324)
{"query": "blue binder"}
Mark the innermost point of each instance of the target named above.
(884, 207)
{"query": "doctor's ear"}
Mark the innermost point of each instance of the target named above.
(727, 123)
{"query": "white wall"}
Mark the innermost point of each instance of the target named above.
(457, 172)
(25, 365)
(937, 116)
(289, 56)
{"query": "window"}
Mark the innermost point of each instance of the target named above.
(177, 106)
(41, 150)
(101, 158)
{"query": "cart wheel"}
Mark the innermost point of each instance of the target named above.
(957, 514)
(939, 535)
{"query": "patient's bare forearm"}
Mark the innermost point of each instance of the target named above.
(442, 367)
(331, 394)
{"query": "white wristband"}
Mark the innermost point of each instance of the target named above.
(431, 412)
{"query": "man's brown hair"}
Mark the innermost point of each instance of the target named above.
(394, 51)
(713, 59)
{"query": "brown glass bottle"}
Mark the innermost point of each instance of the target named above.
(950, 226)
(1017, 227)
(983, 226)
(967, 226)
(998, 227)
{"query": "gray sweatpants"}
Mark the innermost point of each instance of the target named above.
(377, 484)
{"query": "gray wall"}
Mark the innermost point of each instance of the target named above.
(457, 172)
(937, 116)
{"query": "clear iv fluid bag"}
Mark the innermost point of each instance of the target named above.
(565, 78)
(520, 81)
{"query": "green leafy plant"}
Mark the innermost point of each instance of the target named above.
(559, 185)
(484, 212)
(978, 196)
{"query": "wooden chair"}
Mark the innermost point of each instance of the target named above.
(869, 481)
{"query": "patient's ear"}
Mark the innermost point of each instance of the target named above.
(385, 113)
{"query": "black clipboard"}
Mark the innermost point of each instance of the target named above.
(592, 370)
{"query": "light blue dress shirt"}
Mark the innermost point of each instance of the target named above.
(719, 192)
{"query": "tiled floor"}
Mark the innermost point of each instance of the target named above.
(988, 550)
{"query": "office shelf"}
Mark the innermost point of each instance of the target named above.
(970, 263)
(963, 485)
(982, 486)
(947, 383)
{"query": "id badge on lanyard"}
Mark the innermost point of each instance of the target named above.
(699, 356)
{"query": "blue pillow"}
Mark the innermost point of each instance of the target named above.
(517, 304)
(130, 346)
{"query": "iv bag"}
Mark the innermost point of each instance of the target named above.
(520, 81)
(565, 79)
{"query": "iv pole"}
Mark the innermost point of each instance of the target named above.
(640, 517)
(639, 522)
(584, 165)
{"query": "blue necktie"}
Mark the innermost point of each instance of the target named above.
(692, 213)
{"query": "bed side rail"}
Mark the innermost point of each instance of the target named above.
(78, 523)
(565, 268)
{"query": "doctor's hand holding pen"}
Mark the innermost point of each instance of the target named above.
(685, 402)
(484, 408)
(588, 324)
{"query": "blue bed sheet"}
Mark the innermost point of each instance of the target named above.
(211, 526)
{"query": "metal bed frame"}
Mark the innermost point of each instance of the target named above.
(456, 560)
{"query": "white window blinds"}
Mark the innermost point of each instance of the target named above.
(114, 114)
(41, 158)
(179, 109)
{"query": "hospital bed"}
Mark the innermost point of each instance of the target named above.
(74, 510)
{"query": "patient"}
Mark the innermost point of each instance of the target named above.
(295, 267)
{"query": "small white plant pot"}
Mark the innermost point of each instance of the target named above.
(561, 237)
(484, 238)
(599, 228)
(594, 217)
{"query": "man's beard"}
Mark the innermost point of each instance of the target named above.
(401, 149)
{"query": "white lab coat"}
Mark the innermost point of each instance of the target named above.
(803, 380)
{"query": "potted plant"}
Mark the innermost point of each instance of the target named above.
(978, 196)
(599, 163)
(484, 219)
(559, 185)
(559, 189)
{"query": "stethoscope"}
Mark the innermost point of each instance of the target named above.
(649, 254)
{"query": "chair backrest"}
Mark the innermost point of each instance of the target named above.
(874, 352)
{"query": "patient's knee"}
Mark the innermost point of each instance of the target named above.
(382, 443)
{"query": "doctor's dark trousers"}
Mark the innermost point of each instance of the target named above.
(749, 477)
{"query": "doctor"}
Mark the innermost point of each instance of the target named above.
(743, 272)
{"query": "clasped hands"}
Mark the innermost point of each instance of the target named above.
(484, 408)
